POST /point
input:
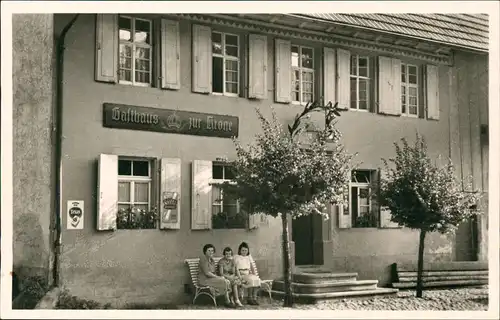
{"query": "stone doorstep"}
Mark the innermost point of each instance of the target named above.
(315, 297)
(327, 287)
(443, 278)
(444, 266)
(315, 278)
(443, 273)
(428, 284)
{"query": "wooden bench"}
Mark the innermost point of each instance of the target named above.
(440, 274)
(193, 265)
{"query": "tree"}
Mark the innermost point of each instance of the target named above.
(423, 195)
(282, 174)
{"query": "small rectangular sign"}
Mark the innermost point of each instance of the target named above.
(169, 204)
(169, 121)
(75, 215)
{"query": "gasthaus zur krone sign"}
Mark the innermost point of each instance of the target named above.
(169, 121)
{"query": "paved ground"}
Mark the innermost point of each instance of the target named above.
(462, 299)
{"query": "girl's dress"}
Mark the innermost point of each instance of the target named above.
(207, 265)
(227, 269)
(244, 266)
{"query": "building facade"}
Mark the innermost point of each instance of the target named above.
(150, 103)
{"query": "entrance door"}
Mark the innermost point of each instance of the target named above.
(302, 235)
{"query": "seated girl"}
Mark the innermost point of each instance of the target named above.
(207, 274)
(227, 269)
(245, 270)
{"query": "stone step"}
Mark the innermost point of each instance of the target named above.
(444, 278)
(430, 284)
(320, 277)
(444, 266)
(404, 274)
(330, 286)
(315, 297)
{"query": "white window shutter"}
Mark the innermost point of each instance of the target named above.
(396, 88)
(254, 220)
(343, 79)
(283, 70)
(344, 210)
(385, 213)
(107, 192)
(106, 49)
(170, 55)
(329, 75)
(170, 192)
(257, 77)
(432, 92)
(201, 198)
(389, 86)
(202, 59)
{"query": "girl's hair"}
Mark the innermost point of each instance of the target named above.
(226, 249)
(208, 246)
(243, 245)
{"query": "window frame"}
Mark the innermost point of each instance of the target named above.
(134, 45)
(361, 185)
(300, 68)
(131, 179)
(357, 77)
(220, 204)
(407, 85)
(224, 58)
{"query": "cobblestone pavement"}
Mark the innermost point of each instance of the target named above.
(462, 299)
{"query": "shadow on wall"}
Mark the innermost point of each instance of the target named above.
(30, 256)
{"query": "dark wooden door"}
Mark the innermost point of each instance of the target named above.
(302, 236)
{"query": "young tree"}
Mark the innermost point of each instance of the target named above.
(423, 195)
(280, 175)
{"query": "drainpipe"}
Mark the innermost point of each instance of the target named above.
(58, 147)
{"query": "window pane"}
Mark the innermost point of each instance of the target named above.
(363, 95)
(413, 101)
(232, 65)
(124, 167)
(232, 51)
(363, 62)
(142, 31)
(354, 65)
(141, 168)
(142, 53)
(142, 65)
(363, 105)
(216, 209)
(216, 195)
(125, 50)
(141, 192)
(363, 85)
(228, 172)
(142, 77)
(217, 171)
(413, 91)
(296, 86)
(123, 206)
(354, 202)
(125, 26)
(403, 108)
(217, 72)
(230, 210)
(231, 76)
(403, 73)
(364, 210)
(363, 71)
(231, 40)
(307, 76)
(295, 96)
(216, 47)
(216, 37)
(307, 87)
(412, 70)
(412, 79)
(141, 207)
(307, 58)
(307, 97)
(413, 110)
(295, 56)
(125, 75)
(231, 87)
(125, 63)
(123, 192)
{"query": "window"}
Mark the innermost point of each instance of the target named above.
(302, 74)
(360, 199)
(225, 63)
(135, 51)
(134, 184)
(360, 82)
(409, 90)
(225, 208)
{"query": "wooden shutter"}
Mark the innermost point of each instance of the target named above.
(257, 77)
(344, 210)
(201, 199)
(254, 220)
(389, 73)
(170, 55)
(202, 59)
(170, 193)
(106, 49)
(432, 84)
(343, 79)
(329, 75)
(385, 214)
(107, 192)
(283, 70)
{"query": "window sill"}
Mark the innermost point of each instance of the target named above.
(132, 84)
(219, 94)
(409, 116)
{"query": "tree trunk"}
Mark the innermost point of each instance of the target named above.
(420, 267)
(288, 301)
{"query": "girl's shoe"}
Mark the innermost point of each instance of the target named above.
(238, 303)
